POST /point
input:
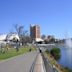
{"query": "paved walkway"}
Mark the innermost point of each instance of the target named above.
(39, 65)
(20, 63)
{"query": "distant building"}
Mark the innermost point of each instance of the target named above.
(9, 37)
(12, 36)
(35, 33)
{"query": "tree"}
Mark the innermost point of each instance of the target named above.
(19, 29)
(43, 36)
(51, 39)
(56, 52)
(26, 39)
(46, 41)
(23, 34)
(15, 39)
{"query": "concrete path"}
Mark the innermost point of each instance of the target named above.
(20, 63)
(39, 65)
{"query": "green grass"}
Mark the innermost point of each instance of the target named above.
(12, 52)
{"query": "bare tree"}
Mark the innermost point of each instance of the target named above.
(19, 29)
(51, 38)
(23, 34)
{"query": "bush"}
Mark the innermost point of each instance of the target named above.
(67, 69)
(56, 53)
(47, 51)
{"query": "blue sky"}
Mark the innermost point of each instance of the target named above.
(53, 16)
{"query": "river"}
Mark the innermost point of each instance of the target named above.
(66, 54)
(66, 57)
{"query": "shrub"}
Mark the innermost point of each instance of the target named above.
(56, 53)
(47, 51)
(67, 69)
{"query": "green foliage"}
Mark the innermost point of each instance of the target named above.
(56, 53)
(67, 69)
(12, 52)
(47, 51)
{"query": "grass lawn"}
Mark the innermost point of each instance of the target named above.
(12, 52)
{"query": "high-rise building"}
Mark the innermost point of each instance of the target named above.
(35, 32)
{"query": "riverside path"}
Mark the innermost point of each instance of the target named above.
(21, 63)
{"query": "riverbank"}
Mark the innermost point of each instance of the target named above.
(55, 64)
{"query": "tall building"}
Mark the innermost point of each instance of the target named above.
(35, 32)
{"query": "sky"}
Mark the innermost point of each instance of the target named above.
(53, 16)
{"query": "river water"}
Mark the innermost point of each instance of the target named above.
(66, 57)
